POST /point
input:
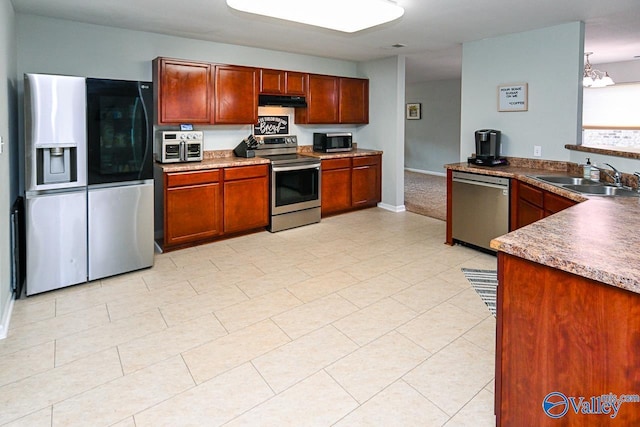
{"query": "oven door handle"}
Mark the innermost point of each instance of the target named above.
(295, 168)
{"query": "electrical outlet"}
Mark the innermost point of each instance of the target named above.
(537, 151)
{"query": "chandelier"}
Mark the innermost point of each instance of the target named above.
(593, 77)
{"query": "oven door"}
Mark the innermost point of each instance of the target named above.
(294, 187)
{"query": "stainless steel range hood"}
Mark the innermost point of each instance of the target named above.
(282, 101)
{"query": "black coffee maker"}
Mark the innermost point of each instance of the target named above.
(487, 148)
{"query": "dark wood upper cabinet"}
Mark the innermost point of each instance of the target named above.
(279, 82)
(322, 101)
(335, 100)
(353, 101)
(296, 83)
(236, 95)
(272, 82)
(182, 91)
(207, 93)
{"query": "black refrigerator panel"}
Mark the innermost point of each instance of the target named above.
(119, 130)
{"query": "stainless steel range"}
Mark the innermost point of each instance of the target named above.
(295, 182)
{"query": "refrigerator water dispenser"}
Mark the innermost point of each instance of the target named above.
(55, 165)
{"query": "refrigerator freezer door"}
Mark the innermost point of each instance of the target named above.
(56, 240)
(120, 229)
(55, 132)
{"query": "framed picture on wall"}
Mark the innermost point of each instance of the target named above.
(414, 111)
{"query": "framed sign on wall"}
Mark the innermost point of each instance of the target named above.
(513, 97)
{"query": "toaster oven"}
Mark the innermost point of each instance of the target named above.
(180, 146)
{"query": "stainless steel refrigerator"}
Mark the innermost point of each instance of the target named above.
(88, 179)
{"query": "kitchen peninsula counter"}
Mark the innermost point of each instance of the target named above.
(596, 239)
(568, 310)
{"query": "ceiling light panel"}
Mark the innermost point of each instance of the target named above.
(347, 16)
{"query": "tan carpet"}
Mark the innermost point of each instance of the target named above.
(425, 194)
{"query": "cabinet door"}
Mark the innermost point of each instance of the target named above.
(528, 213)
(354, 101)
(236, 95)
(193, 213)
(272, 82)
(296, 83)
(322, 101)
(182, 91)
(554, 203)
(336, 186)
(365, 181)
(246, 198)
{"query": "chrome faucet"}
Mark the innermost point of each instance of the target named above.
(616, 177)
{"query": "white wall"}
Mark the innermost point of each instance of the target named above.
(617, 105)
(550, 61)
(54, 46)
(386, 114)
(434, 140)
(8, 132)
(621, 72)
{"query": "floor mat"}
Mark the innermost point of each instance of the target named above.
(485, 283)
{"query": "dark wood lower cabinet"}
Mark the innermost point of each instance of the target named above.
(246, 198)
(201, 206)
(532, 204)
(565, 339)
(193, 207)
(365, 181)
(351, 183)
(336, 185)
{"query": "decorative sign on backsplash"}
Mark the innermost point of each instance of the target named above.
(513, 97)
(272, 125)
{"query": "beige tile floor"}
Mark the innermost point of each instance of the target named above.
(364, 319)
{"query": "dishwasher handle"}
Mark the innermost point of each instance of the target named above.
(481, 183)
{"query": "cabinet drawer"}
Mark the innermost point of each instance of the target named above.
(365, 161)
(244, 172)
(554, 203)
(530, 194)
(179, 179)
(336, 164)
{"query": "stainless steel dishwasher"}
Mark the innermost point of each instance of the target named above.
(480, 208)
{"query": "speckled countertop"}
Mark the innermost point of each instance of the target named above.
(213, 160)
(226, 159)
(353, 153)
(597, 239)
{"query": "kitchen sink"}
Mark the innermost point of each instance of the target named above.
(602, 190)
(586, 186)
(566, 180)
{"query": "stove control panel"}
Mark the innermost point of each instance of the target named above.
(282, 140)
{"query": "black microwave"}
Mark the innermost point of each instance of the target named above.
(332, 142)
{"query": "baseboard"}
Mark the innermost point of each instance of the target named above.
(392, 208)
(6, 318)
(425, 172)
